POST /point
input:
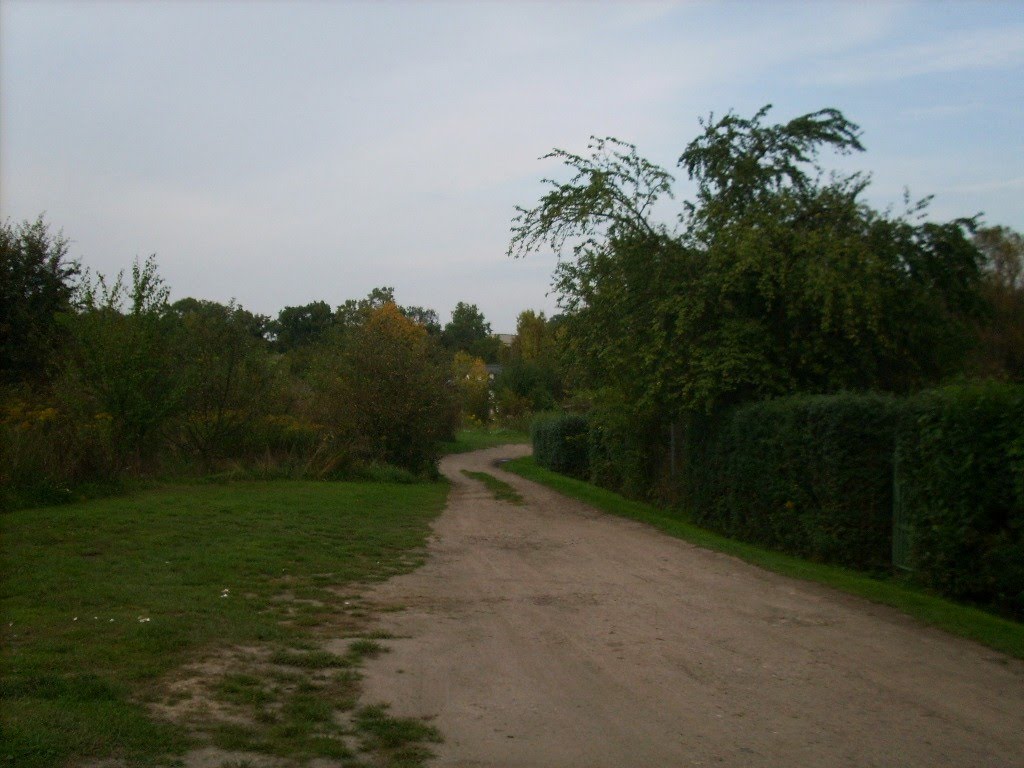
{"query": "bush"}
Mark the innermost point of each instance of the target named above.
(50, 448)
(809, 475)
(560, 443)
(960, 483)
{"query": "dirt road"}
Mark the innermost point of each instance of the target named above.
(554, 635)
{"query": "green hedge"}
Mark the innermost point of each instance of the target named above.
(560, 442)
(623, 451)
(826, 476)
(960, 491)
(808, 475)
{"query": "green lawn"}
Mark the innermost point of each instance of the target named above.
(103, 602)
(475, 439)
(993, 631)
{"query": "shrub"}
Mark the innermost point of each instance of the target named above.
(960, 482)
(560, 442)
(50, 447)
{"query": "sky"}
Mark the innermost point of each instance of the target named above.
(278, 153)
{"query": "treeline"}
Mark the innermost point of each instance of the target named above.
(103, 378)
(777, 281)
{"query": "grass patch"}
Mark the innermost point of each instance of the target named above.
(475, 439)
(103, 602)
(399, 740)
(502, 491)
(994, 631)
(309, 659)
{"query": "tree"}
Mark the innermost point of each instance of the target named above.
(469, 332)
(354, 311)
(778, 279)
(256, 326)
(36, 288)
(225, 380)
(1001, 334)
(304, 325)
(531, 374)
(392, 391)
(533, 341)
(124, 362)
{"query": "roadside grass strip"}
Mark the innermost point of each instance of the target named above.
(993, 631)
(137, 628)
(501, 490)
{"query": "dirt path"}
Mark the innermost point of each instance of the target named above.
(554, 635)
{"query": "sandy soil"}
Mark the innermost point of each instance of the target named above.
(554, 635)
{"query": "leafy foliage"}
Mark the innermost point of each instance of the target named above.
(780, 281)
(299, 326)
(1000, 350)
(36, 288)
(469, 332)
(124, 363)
(134, 385)
(960, 475)
(809, 475)
(395, 391)
(560, 442)
(472, 382)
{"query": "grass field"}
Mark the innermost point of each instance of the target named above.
(993, 631)
(108, 606)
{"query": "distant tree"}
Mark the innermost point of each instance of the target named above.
(355, 311)
(469, 332)
(300, 326)
(257, 326)
(36, 287)
(532, 341)
(531, 372)
(425, 317)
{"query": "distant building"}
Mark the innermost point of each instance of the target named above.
(505, 338)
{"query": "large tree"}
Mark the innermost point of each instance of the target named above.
(776, 278)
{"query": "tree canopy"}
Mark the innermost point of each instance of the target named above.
(776, 277)
(470, 332)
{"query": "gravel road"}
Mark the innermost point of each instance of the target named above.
(551, 634)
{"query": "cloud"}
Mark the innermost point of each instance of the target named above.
(967, 51)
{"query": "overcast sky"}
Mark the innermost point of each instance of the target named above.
(284, 152)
